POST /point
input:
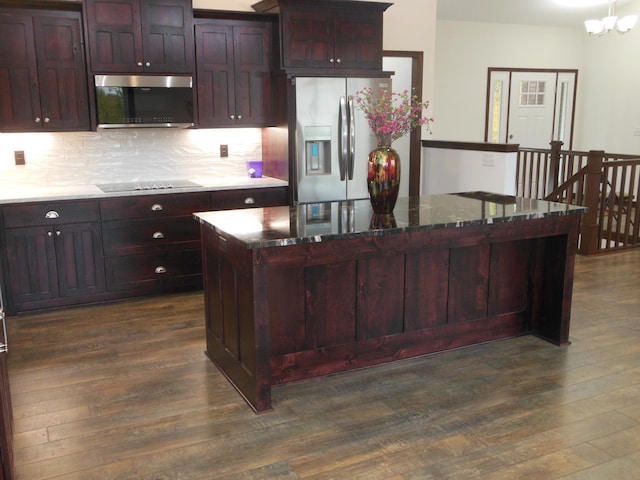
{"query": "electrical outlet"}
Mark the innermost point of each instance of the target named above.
(488, 160)
(224, 150)
(19, 156)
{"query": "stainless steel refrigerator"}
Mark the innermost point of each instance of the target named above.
(332, 138)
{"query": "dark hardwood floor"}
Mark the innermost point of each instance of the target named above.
(124, 391)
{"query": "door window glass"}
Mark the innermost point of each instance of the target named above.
(532, 93)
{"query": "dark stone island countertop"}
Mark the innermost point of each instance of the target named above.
(320, 222)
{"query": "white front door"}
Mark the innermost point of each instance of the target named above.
(531, 109)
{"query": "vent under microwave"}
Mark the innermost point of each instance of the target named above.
(136, 101)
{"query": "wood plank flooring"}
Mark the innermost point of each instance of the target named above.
(124, 391)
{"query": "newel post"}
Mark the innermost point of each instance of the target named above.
(593, 181)
(554, 166)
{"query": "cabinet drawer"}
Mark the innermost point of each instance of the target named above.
(50, 213)
(154, 272)
(126, 237)
(248, 198)
(154, 206)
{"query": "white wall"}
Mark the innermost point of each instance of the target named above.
(464, 52)
(608, 93)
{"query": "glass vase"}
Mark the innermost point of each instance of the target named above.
(383, 178)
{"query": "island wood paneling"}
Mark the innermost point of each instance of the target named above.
(311, 309)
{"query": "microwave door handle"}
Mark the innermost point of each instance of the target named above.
(343, 137)
(352, 137)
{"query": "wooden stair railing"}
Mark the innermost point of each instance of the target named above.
(608, 185)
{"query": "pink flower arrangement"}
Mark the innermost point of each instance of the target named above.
(391, 115)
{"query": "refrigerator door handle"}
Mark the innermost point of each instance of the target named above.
(352, 137)
(4, 345)
(343, 138)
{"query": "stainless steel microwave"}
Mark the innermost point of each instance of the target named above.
(124, 101)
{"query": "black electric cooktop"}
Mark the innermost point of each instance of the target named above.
(143, 186)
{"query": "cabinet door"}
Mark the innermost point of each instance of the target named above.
(80, 263)
(115, 36)
(167, 35)
(252, 53)
(358, 40)
(233, 66)
(31, 258)
(62, 72)
(308, 39)
(19, 97)
(129, 36)
(214, 71)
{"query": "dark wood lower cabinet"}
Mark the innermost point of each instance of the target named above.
(281, 314)
(47, 264)
(82, 251)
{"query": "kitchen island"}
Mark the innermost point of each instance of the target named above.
(314, 289)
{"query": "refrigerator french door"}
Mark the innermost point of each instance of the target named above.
(333, 138)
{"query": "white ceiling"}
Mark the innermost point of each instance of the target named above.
(526, 12)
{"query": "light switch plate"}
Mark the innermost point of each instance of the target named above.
(224, 150)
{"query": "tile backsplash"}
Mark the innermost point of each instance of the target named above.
(108, 156)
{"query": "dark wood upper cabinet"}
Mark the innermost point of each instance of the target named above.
(233, 70)
(42, 71)
(329, 36)
(137, 36)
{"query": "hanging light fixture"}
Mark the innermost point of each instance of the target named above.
(611, 21)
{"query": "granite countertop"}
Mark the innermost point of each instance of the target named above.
(24, 193)
(319, 222)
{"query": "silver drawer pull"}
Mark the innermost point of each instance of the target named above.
(158, 235)
(52, 214)
(249, 201)
(156, 207)
(160, 270)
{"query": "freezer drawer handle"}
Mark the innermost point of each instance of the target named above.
(158, 236)
(160, 270)
(52, 214)
(156, 207)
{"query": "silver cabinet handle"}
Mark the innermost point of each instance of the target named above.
(160, 270)
(249, 201)
(47, 119)
(239, 117)
(147, 64)
(158, 235)
(52, 214)
(38, 119)
(156, 207)
(331, 60)
(57, 233)
(50, 234)
(339, 60)
(139, 64)
(232, 117)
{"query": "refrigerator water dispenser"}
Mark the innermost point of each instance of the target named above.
(317, 142)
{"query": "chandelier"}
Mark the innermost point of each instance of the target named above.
(611, 21)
